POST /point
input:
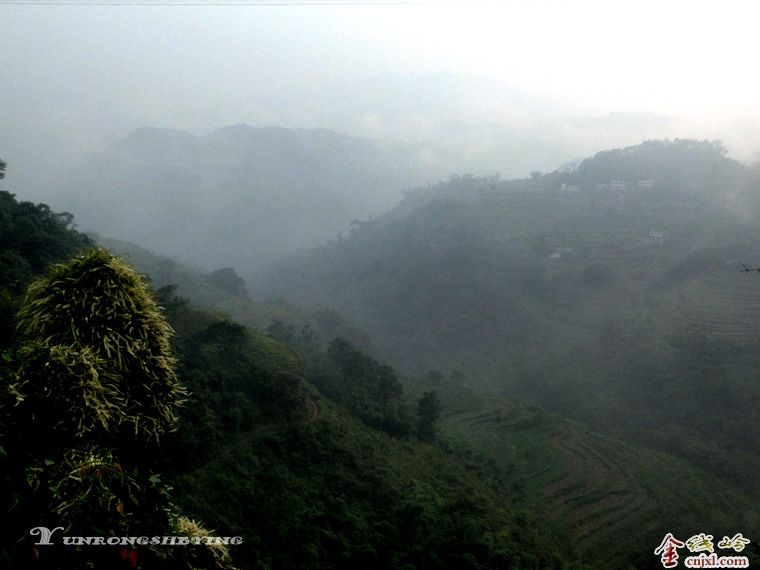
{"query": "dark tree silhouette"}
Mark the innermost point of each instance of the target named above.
(227, 280)
(428, 412)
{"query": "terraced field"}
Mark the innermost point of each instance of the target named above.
(604, 495)
(722, 301)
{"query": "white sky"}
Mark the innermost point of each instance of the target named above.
(72, 74)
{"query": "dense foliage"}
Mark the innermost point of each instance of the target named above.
(329, 480)
(98, 305)
(31, 238)
(90, 397)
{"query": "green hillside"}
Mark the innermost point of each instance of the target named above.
(198, 286)
(609, 498)
(313, 449)
(310, 456)
(588, 488)
(611, 294)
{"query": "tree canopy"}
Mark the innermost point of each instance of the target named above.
(90, 394)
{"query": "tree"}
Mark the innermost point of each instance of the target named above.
(284, 332)
(227, 280)
(92, 395)
(372, 388)
(428, 412)
(2, 169)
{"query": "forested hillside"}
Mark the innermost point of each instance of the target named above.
(612, 293)
(312, 456)
(321, 455)
(379, 285)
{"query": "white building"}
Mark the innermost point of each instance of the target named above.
(617, 185)
(568, 188)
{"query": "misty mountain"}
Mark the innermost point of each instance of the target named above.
(282, 429)
(243, 196)
(524, 239)
(239, 196)
(274, 433)
(598, 292)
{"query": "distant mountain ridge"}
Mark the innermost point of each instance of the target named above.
(240, 196)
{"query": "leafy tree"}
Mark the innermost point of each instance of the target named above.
(32, 237)
(284, 332)
(372, 389)
(227, 280)
(2, 169)
(428, 412)
(92, 395)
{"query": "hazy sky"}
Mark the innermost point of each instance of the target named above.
(72, 75)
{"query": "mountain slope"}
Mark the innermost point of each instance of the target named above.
(594, 488)
(280, 442)
(239, 196)
(609, 293)
(588, 488)
(306, 485)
